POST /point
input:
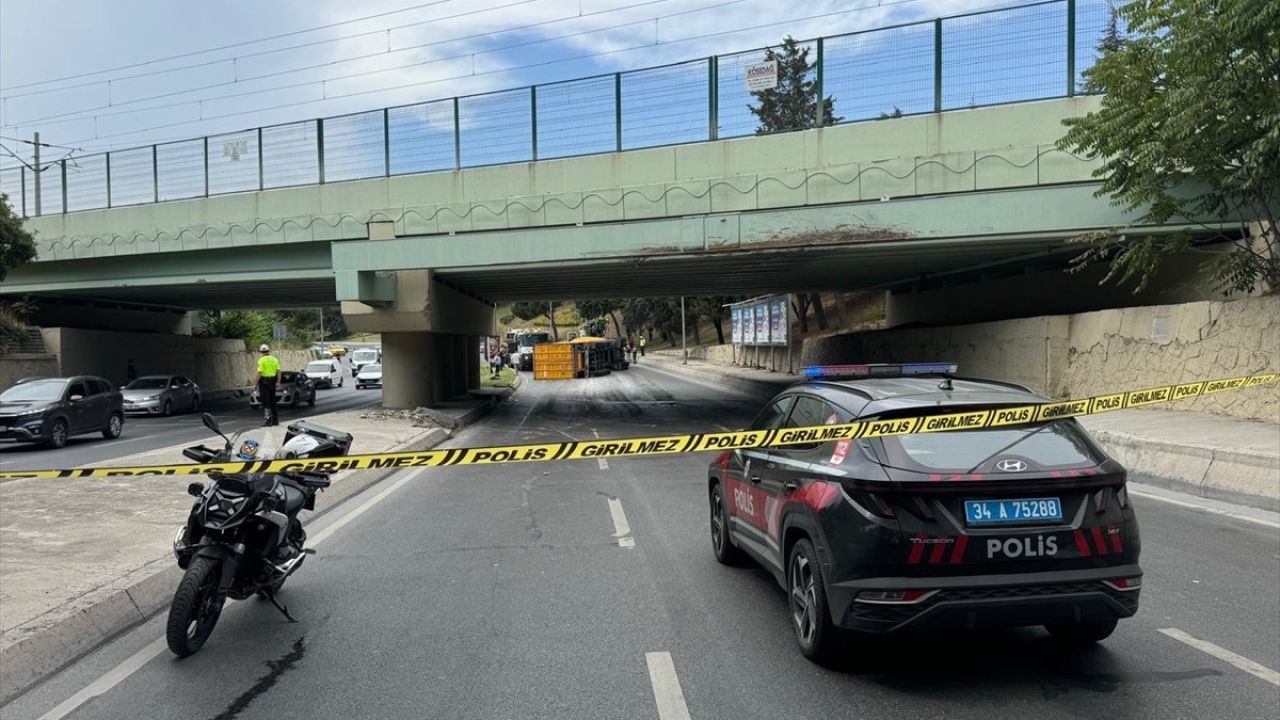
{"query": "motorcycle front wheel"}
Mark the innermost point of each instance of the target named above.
(194, 611)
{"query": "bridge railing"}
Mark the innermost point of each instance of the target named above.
(1028, 52)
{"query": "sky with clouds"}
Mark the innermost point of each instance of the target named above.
(102, 74)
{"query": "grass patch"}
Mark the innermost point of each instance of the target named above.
(505, 379)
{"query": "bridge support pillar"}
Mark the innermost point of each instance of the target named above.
(430, 339)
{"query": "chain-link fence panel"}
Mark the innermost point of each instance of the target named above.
(51, 189)
(11, 187)
(1004, 56)
(422, 137)
(1093, 33)
(290, 155)
(879, 73)
(233, 162)
(735, 117)
(665, 105)
(180, 169)
(132, 177)
(495, 128)
(577, 117)
(354, 147)
(87, 183)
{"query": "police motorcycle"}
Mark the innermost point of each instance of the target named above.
(243, 536)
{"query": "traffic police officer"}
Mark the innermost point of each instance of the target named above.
(268, 374)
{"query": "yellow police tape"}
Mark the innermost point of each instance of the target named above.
(670, 444)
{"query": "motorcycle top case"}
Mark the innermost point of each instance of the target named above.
(302, 427)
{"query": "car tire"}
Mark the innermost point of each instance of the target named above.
(296, 401)
(819, 639)
(115, 425)
(721, 544)
(195, 403)
(1082, 634)
(57, 435)
(167, 410)
(311, 401)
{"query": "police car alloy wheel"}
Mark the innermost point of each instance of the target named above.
(817, 636)
(726, 552)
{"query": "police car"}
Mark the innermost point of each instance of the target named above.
(1021, 524)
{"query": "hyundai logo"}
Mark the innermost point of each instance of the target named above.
(1011, 465)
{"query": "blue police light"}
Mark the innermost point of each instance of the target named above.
(879, 370)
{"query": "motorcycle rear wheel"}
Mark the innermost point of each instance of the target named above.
(192, 616)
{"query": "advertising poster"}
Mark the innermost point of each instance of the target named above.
(778, 321)
(762, 324)
(736, 314)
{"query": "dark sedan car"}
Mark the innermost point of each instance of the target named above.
(50, 410)
(1025, 523)
(292, 389)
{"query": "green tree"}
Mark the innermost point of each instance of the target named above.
(527, 311)
(17, 246)
(793, 104)
(713, 309)
(252, 326)
(595, 308)
(1188, 132)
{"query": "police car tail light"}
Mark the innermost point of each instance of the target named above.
(870, 502)
(894, 596)
(1125, 584)
(879, 370)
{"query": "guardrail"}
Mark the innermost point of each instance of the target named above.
(1028, 52)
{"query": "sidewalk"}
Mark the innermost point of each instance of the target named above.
(83, 560)
(1206, 455)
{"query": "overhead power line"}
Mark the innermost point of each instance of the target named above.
(77, 115)
(242, 43)
(470, 75)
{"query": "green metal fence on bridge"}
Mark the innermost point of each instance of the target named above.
(1029, 52)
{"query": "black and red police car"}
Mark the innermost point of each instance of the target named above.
(1007, 526)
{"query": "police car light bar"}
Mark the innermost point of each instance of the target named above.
(879, 370)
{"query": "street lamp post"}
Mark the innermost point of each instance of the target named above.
(684, 349)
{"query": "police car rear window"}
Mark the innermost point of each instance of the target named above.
(1059, 444)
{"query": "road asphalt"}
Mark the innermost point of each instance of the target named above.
(143, 433)
(587, 589)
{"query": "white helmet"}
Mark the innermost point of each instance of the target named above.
(264, 348)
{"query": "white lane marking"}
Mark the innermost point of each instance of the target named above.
(1225, 655)
(721, 427)
(621, 528)
(364, 507)
(121, 672)
(113, 677)
(604, 464)
(1203, 508)
(667, 694)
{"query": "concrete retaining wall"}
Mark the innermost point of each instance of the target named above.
(215, 364)
(14, 367)
(1098, 352)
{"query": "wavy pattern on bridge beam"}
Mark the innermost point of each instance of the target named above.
(382, 216)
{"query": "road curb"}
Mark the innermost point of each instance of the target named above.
(749, 386)
(1236, 476)
(29, 655)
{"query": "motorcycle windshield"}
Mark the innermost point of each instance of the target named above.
(256, 444)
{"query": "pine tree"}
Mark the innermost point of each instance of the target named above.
(793, 104)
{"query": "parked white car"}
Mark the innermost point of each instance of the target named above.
(369, 376)
(325, 373)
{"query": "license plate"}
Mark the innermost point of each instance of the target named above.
(997, 512)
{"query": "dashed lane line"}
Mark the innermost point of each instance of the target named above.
(667, 695)
(1256, 669)
(621, 528)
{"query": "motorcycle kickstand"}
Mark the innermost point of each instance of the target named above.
(283, 610)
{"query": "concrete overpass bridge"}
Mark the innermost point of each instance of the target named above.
(422, 257)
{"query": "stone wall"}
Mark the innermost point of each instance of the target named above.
(1098, 352)
(215, 364)
(1161, 344)
(14, 367)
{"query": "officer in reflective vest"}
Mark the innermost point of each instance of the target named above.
(268, 375)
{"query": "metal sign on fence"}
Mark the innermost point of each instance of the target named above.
(762, 76)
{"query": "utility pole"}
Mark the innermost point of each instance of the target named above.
(35, 169)
(684, 349)
(322, 326)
